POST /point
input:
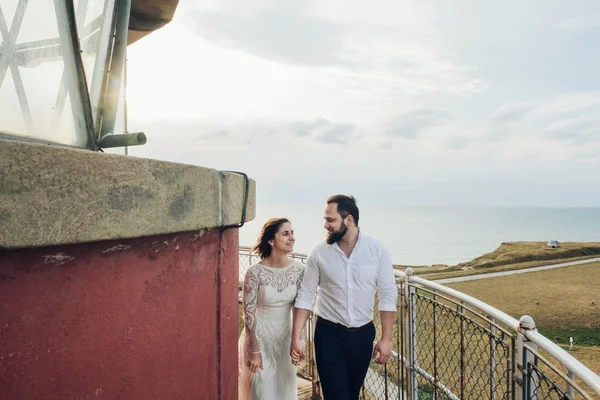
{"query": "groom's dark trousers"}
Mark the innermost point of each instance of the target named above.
(343, 356)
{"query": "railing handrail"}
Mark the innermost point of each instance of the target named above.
(568, 361)
(489, 310)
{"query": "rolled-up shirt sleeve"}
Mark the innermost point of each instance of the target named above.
(308, 287)
(386, 282)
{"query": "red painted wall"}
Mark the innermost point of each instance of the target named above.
(150, 318)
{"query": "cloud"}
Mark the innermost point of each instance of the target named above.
(580, 23)
(410, 125)
(458, 142)
(564, 119)
(464, 141)
(307, 128)
(283, 34)
(579, 130)
(191, 134)
(325, 131)
(568, 103)
(366, 57)
(511, 112)
(387, 145)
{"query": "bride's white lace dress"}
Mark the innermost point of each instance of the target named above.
(268, 297)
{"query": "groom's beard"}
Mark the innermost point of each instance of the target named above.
(336, 236)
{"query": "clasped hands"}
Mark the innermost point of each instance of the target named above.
(381, 351)
(297, 351)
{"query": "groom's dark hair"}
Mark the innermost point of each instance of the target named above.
(269, 229)
(346, 205)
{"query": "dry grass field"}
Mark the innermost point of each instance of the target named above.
(558, 298)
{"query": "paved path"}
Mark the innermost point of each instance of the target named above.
(514, 272)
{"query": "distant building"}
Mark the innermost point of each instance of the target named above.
(554, 244)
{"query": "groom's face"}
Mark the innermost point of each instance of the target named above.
(334, 224)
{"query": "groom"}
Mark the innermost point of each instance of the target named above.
(348, 269)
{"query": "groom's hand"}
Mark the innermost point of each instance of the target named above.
(382, 351)
(297, 351)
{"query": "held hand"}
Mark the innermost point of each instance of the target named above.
(297, 351)
(255, 362)
(382, 351)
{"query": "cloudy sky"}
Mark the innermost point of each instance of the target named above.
(397, 101)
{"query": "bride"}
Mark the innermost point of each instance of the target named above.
(266, 370)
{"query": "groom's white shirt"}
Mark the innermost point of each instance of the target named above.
(346, 286)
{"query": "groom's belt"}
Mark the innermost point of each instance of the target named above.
(344, 327)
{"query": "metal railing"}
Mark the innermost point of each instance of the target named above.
(448, 345)
(247, 259)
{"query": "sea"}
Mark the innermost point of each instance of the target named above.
(438, 235)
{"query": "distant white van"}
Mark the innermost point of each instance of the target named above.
(554, 244)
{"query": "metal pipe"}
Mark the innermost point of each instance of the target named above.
(425, 375)
(99, 78)
(75, 72)
(411, 295)
(125, 139)
(401, 332)
(570, 389)
(113, 88)
(462, 351)
(435, 373)
(437, 384)
(125, 126)
(492, 357)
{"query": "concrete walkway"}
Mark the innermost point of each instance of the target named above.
(374, 384)
(514, 272)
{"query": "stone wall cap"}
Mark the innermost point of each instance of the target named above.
(54, 195)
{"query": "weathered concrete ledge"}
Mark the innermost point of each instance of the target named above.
(51, 196)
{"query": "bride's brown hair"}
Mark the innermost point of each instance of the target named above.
(269, 229)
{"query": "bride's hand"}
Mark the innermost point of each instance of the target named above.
(255, 362)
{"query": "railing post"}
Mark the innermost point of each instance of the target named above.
(400, 343)
(525, 358)
(570, 389)
(435, 356)
(411, 336)
(314, 374)
(492, 357)
(462, 349)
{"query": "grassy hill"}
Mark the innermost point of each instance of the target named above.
(521, 252)
(513, 255)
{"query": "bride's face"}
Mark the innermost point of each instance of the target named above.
(284, 238)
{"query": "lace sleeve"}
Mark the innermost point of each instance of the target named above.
(250, 300)
(303, 334)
